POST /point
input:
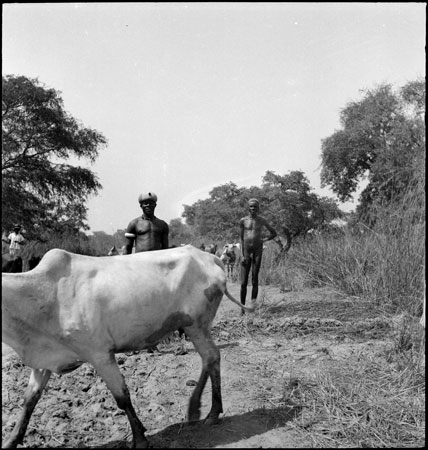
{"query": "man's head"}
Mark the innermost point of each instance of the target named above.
(148, 203)
(17, 228)
(253, 205)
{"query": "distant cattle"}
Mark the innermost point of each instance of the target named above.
(73, 309)
(16, 264)
(11, 264)
(33, 261)
(211, 248)
(114, 251)
(231, 257)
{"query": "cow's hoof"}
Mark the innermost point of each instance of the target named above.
(141, 443)
(212, 420)
(194, 416)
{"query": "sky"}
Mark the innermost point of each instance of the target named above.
(195, 95)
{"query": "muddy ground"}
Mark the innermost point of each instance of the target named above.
(264, 357)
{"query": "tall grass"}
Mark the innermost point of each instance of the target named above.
(380, 402)
(385, 264)
(369, 405)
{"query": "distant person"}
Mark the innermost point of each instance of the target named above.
(251, 227)
(202, 247)
(16, 241)
(146, 232)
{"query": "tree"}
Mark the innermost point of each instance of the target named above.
(286, 201)
(382, 137)
(102, 242)
(217, 217)
(291, 206)
(39, 189)
(179, 233)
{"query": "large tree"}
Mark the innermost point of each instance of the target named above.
(382, 139)
(180, 233)
(217, 217)
(286, 201)
(41, 189)
(292, 207)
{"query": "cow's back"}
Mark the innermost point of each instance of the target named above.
(71, 303)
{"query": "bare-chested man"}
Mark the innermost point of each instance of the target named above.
(252, 247)
(147, 232)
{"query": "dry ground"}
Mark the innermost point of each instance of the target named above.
(265, 356)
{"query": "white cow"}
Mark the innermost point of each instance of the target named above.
(73, 309)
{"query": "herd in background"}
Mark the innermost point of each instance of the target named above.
(229, 254)
(15, 264)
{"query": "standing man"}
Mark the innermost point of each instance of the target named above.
(252, 247)
(147, 232)
(16, 241)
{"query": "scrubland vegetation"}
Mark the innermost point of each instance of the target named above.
(378, 258)
(380, 402)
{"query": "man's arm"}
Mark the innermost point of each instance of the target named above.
(127, 248)
(241, 233)
(130, 238)
(272, 233)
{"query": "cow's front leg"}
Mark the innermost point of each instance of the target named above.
(36, 384)
(109, 371)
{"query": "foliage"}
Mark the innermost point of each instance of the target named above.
(72, 242)
(286, 201)
(293, 207)
(217, 217)
(382, 139)
(102, 242)
(385, 263)
(179, 233)
(39, 189)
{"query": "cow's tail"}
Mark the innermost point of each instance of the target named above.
(250, 308)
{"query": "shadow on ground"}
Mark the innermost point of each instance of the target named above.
(230, 429)
(190, 349)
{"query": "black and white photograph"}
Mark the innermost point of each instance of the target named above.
(213, 224)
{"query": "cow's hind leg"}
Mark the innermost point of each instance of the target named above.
(36, 384)
(109, 371)
(210, 355)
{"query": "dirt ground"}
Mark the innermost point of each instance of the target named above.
(264, 356)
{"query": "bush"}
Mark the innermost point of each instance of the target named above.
(385, 263)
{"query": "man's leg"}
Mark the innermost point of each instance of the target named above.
(255, 275)
(245, 272)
